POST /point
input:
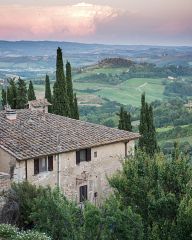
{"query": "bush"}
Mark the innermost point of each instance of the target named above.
(9, 232)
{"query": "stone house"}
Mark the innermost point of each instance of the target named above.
(48, 149)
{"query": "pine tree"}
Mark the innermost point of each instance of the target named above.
(4, 100)
(60, 98)
(48, 95)
(21, 94)
(12, 94)
(70, 88)
(31, 92)
(76, 110)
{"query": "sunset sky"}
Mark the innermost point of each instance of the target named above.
(162, 22)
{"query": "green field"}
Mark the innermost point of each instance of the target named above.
(128, 92)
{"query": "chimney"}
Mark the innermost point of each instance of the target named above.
(10, 113)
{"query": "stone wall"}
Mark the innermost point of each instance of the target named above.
(5, 182)
(105, 161)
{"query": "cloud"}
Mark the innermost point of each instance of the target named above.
(96, 23)
(53, 21)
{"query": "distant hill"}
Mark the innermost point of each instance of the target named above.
(33, 59)
(116, 62)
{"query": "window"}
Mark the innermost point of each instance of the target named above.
(83, 155)
(83, 193)
(95, 154)
(43, 164)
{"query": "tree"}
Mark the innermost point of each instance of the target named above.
(76, 110)
(124, 120)
(60, 98)
(9, 232)
(121, 125)
(48, 94)
(147, 141)
(70, 90)
(4, 100)
(154, 187)
(21, 94)
(31, 92)
(127, 118)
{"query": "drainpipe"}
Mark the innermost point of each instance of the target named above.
(58, 172)
(58, 161)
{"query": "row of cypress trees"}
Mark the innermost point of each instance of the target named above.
(64, 100)
(17, 94)
(147, 141)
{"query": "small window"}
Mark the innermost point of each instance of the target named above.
(83, 193)
(43, 164)
(95, 154)
(83, 155)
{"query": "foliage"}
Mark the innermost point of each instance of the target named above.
(8, 232)
(60, 98)
(12, 94)
(124, 120)
(69, 85)
(155, 188)
(75, 108)
(21, 94)
(3, 100)
(48, 94)
(31, 92)
(147, 141)
(24, 194)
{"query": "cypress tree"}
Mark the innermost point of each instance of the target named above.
(121, 125)
(31, 92)
(143, 123)
(60, 98)
(147, 141)
(124, 120)
(127, 121)
(152, 140)
(4, 100)
(70, 88)
(48, 95)
(21, 94)
(76, 110)
(12, 94)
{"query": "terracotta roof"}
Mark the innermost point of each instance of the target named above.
(39, 103)
(35, 134)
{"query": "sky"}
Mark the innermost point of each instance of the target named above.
(158, 22)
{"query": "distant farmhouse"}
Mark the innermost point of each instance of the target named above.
(48, 149)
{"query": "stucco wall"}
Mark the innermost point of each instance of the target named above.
(72, 176)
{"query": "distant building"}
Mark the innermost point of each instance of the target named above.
(48, 149)
(189, 105)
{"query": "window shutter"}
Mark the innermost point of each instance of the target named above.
(78, 157)
(36, 166)
(50, 163)
(88, 154)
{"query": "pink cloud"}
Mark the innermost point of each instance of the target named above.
(52, 21)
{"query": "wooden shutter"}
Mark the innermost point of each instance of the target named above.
(36, 166)
(50, 163)
(88, 154)
(77, 157)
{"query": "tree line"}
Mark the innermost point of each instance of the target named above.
(63, 100)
